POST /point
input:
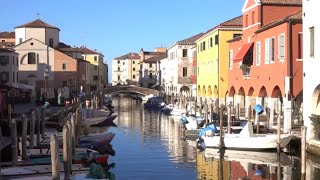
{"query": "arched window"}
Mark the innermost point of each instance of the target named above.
(31, 58)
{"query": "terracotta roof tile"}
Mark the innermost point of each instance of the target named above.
(232, 23)
(155, 58)
(293, 17)
(190, 40)
(282, 2)
(65, 47)
(7, 35)
(37, 24)
(86, 50)
(130, 55)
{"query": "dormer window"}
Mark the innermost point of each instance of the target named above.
(51, 42)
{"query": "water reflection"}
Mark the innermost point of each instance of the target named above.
(150, 145)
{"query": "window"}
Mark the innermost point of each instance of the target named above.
(95, 58)
(20, 40)
(150, 75)
(13, 59)
(252, 17)
(211, 42)
(236, 35)
(133, 76)
(230, 59)
(133, 69)
(150, 65)
(118, 68)
(64, 66)
(95, 68)
(281, 48)
(3, 40)
(17, 77)
(269, 50)
(13, 77)
(246, 21)
(118, 77)
(184, 52)
(258, 54)
(123, 63)
(133, 62)
(216, 39)
(31, 58)
(118, 62)
(312, 42)
(51, 42)
(201, 45)
(204, 45)
(184, 72)
(17, 61)
(300, 46)
(64, 83)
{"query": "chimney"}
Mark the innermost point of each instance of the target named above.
(160, 49)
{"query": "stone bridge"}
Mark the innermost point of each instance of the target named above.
(130, 89)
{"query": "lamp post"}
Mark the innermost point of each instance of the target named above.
(45, 74)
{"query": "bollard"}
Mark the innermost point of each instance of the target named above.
(32, 126)
(54, 147)
(66, 158)
(229, 119)
(14, 142)
(24, 136)
(303, 150)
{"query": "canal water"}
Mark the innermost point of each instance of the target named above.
(152, 146)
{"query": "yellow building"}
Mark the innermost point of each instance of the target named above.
(212, 59)
(99, 73)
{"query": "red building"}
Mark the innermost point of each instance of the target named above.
(265, 65)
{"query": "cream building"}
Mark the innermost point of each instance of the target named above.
(125, 69)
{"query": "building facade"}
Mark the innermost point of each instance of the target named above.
(265, 64)
(125, 69)
(212, 61)
(311, 63)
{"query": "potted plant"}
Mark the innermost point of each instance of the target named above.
(245, 67)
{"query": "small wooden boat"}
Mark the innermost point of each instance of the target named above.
(100, 121)
(246, 140)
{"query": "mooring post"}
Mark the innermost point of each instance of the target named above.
(206, 112)
(14, 142)
(70, 143)
(32, 127)
(37, 113)
(249, 113)
(200, 109)
(43, 123)
(211, 111)
(66, 158)
(237, 111)
(229, 119)
(24, 136)
(195, 106)
(271, 119)
(221, 126)
(73, 134)
(54, 147)
(9, 113)
(258, 123)
(303, 150)
(278, 134)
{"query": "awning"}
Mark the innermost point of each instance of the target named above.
(242, 53)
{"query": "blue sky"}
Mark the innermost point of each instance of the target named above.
(116, 27)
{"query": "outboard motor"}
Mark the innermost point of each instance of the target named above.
(184, 120)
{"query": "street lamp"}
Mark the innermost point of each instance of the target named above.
(45, 74)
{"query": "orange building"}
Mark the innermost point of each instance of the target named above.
(265, 65)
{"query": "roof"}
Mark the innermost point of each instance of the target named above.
(65, 47)
(38, 23)
(86, 50)
(131, 55)
(6, 50)
(7, 44)
(235, 39)
(155, 58)
(297, 17)
(190, 40)
(282, 2)
(232, 23)
(7, 34)
(153, 53)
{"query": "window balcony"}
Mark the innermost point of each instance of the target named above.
(245, 70)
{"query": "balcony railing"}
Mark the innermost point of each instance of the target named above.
(245, 71)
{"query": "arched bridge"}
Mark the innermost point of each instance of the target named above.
(130, 89)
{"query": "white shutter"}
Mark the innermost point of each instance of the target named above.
(281, 51)
(271, 49)
(231, 59)
(258, 53)
(266, 49)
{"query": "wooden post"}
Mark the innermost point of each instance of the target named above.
(258, 123)
(73, 134)
(0, 150)
(55, 160)
(271, 119)
(43, 123)
(211, 111)
(249, 113)
(229, 119)
(303, 150)
(66, 158)
(195, 106)
(32, 127)
(14, 142)
(200, 108)
(221, 126)
(37, 113)
(70, 143)
(77, 126)
(278, 134)
(24, 136)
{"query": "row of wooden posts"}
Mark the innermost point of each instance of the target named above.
(37, 132)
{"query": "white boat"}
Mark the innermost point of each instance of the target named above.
(177, 112)
(246, 140)
(192, 122)
(254, 157)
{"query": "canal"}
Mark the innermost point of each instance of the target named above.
(152, 146)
